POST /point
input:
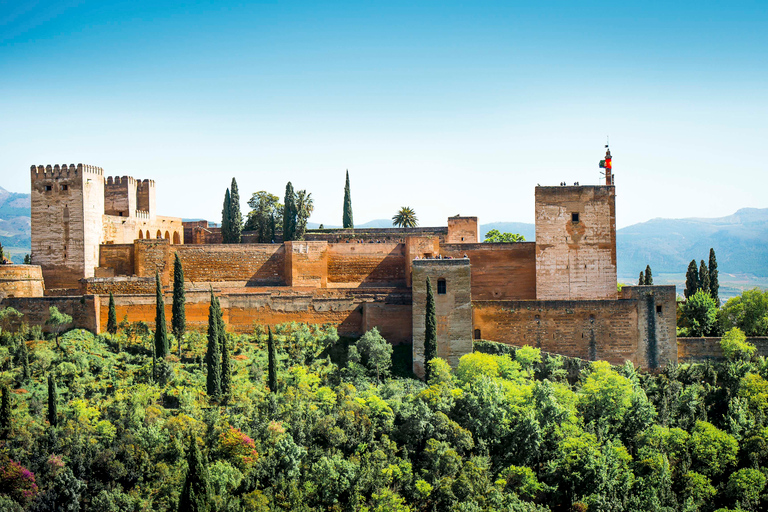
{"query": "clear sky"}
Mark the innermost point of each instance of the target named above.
(446, 107)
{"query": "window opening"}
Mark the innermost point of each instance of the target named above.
(48, 188)
(441, 286)
(658, 309)
(477, 334)
(575, 217)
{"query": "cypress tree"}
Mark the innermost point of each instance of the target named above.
(178, 312)
(641, 280)
(235, 215)
(2, 257)
(289, 213)
(196, 493)
(430, 331)
(24, 362)
(53, 415)
(213, 355)
(112, 316)
(226, 368)
(272, 228)
(225, 224)
(348, 222)
(691, 280)
(161, 330)
(5, 413)
(272, 355)
(714, 282)
(648, 276)
(703, 277)
(226, 379)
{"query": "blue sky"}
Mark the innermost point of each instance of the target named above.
(447, 107)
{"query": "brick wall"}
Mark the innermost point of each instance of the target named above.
(119, 257)
(394, 321)
(462, 230)
(84, 310)
(697, 350)
(499, 271)
(21, 281)
(253, 264)
(119, 285)
(306, 264)
(366, 264)
(388, 235)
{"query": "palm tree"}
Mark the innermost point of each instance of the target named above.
(305, 205)
(405, 218)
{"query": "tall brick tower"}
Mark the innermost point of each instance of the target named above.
(576, 242)
(67, 210)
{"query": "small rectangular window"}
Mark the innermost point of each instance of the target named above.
(65, 187)
(441, 286)
(477, 334)
(658, 309)
(48, 188)
(575, 217)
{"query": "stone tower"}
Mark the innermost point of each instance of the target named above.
(67, 209)
(576, 242)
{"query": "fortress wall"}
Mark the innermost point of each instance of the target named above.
(21, 281)
(462, 230)
(499, 271)
(394, 321)
(355, 264)
(256, 264)
(119, 257)
(386, 235)
(697, 350)
(306, 264)
(589, 329)
(84, 310)
(119, 285)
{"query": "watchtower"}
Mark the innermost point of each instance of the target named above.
(576, 242)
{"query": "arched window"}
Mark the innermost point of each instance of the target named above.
(176, 237)
(167, 236)
(159, 235)
(441, 286)
(141, 235)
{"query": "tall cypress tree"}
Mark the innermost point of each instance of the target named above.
(225, 224)
(178, 310)
(648, 276)
(53, 414)
(289, 213)
(714, 279)
(213, 355)
(348, 222)
(272, 228)
(5, 413)
(235, 215)
(430, 331)
(703, 277)
(196, 493)
(691, 280)
(272, 362)
(111, 316)
(226, 368)
(24, 355)
(641, 279)
(161, 330)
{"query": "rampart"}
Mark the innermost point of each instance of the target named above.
(21, 281)
(84, 310)
(699, 350)
(387, 235)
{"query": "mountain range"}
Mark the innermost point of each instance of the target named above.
(667, 245)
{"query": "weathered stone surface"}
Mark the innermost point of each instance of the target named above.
(21, 281)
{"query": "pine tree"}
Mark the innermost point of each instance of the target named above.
(272, 355)
(53, 415)
(213, 355)
(703, 277)
(196, 493)
(430, 331)
(5, 413)
(225, 221)
(235, 215)
(226, 368)
(289, 213)
(161, 330)
(648, 276)
(348, 222)
(111, 316)
(178, 312)
(714, 280)
(691, 280)
(27, 259)
(641, 280)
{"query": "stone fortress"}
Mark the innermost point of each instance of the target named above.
(93, 235)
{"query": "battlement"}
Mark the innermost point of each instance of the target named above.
(141, 214)
(120, 181)
(144, 184)
(62, 171)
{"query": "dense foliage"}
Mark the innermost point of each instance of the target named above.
(348, 429)
(495, 236)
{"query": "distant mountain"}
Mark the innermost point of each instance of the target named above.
(14, 224)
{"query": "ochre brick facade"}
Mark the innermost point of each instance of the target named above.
(21, 281)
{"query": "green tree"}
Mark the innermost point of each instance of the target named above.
(704, 277)
(641, 279)
(735, 346)
(2, 256)
(289, 214)
(305, 205)
(57, 320)
(213, 355)
(5, 413)
(53, 415)
(748, 312)
(495, 236)
(178, 310)
(746, 486)
(226, 368)
(272, 362)
(111, 316)
(235, 215)
(405, 218)
(699, 314)
(714, 277)
(225, 221)
(27, 259)
(348, 222)
(376, 352)
(691, 279)
(430, 331)
(24, 356)
(266, 212)
(196, 493)
(648, 276)
(161, 330)
(713, 451)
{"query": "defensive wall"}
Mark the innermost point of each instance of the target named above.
(21, 281)
(699, 350)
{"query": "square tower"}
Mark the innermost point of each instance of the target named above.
(576, 243)
(67, 205)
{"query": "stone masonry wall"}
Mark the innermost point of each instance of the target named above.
(698, 350)
(366, 264)
(84, 310)
(306, 264)
(462, 230)
(21, 281)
